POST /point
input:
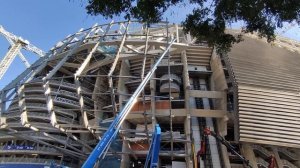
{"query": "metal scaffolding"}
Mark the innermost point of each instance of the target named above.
(129, 75)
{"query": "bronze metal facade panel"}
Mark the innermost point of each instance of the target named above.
(268, 83)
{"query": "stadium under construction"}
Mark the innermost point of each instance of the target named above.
(57, 110)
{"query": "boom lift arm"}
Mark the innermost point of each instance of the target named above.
(154, 149)
(219, 138)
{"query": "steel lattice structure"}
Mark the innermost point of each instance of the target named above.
(17, 43)
(57, 109)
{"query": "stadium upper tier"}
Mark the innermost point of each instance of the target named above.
(56, 110)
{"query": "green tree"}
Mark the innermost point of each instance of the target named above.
(209, 18)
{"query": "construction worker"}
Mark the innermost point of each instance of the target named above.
(201, 152)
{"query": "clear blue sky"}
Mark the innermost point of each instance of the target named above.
(45, 22)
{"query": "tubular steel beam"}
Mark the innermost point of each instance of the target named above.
(70, 53)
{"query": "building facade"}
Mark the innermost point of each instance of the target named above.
(55, 112)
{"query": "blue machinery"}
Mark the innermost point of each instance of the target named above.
(103, 145)
(154, 149)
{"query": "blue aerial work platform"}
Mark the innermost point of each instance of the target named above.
(154, 149)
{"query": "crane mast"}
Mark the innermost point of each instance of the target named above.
(16, 44)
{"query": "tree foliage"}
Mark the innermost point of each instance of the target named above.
(208, 20)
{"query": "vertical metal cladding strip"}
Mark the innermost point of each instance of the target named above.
(116, 124)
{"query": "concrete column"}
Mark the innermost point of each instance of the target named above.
(247, 152)
(222, 128)
(153, 90)
(125, 160)
(187, 123)
(277, 157)
(222, 125)
(98, 105)
(2, 102)
(209, 122)
(225, 157)
(84, 137)
(218, 83)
